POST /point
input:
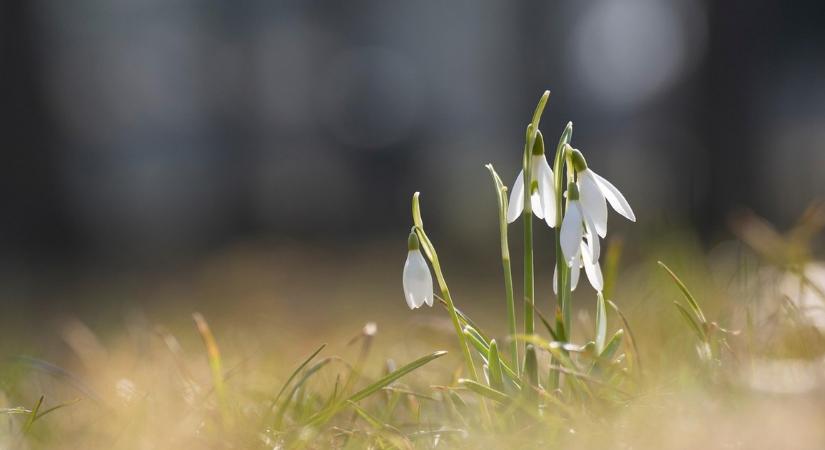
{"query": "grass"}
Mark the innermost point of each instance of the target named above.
(156, 388)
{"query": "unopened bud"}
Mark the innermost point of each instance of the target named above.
(579, 163)
(538, 145)
(412, 241)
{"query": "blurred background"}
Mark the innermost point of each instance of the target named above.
(144, 135)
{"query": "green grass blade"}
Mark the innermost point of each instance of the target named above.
(389, 378)
(601, 322)
(546, 325)
(328, 413)
(494, 364)
(612, 346)
(611, 265)
(307, 375)
(688, 296)
(56, 407)
(33, 415)
(690, 321)
(631, 339)
(295, 373)
(485, 391)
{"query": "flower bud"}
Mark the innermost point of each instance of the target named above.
(538, 145)
(412, 241)
(579, 163)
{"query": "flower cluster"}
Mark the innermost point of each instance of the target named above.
(585, 218)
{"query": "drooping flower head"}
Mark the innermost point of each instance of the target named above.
(417, 280)
(595, 192)
(579, 242)
(542, 189)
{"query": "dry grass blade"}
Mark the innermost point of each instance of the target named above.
(215, 364)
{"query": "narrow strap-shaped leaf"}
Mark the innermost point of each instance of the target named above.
(690, 320)
(601, 322)
(392, 376)
(485, 391)
(494, 363)
(33, 415)
(295, 373)
(612, 345)
(630, 338)
(688, 296)
(327, 413)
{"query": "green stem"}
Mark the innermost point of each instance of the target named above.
(527, 217)
(445, 293)
(563, 272)
(511, 311)
(501, 197)
(429, 250)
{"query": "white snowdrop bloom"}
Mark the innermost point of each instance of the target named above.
(579, 242)
(575, 225)
(542, 192)
(417, 280)
(595, 192)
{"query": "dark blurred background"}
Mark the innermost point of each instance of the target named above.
(144, 132)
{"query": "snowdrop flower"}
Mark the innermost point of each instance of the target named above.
(542, 190)
(595, 192)
(417, 280)
(579, 243)
(587, 257)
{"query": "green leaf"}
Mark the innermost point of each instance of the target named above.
(612, 346)
(33, 415)
(307, 375)
(494, 364)
(476, 342)
(630, 338)
(688, 296)
(416, 211)
(485, 391)
(328, 413)
(601, 322)
(690, 321)
(547, 325)
(294, 374)
(531, 365)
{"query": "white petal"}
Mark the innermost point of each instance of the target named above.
(535, 202)
(547, 190)
(593, 246)
(575, 270)
(556, 280)
(593, 201)
(516, 205)
(571, 231)
(538, 164)
(616, 199)
(417, 280)
(593, 270)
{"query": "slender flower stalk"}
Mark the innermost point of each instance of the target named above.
(427, 246)
(533, 139)
(562, 280)
(501, 197)
(429, 250)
